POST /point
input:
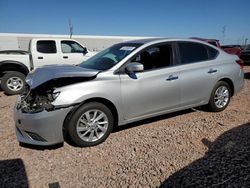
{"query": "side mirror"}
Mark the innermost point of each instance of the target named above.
(134, 67)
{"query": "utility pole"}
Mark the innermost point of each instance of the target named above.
(238, 41)
(70, 28)
(246, 39)
(242, 40)
(223, 34)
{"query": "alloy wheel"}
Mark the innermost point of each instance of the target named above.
(92, 125)
(221, 97)
(15, 83)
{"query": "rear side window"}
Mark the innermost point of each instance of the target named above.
(191, 52)
(46, 46)
(213, 43)
(212, 53)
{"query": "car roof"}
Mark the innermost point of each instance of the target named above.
(204, 39)
(144, 41)
(155, 40)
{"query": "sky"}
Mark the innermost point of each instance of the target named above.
(157, 18)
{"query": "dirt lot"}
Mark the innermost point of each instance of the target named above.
(189, 148)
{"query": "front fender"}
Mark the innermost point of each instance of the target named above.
(80, 92)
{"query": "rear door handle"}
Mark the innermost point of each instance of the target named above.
(171, 77)
(65, 57)
(212, 71)
(39, 57)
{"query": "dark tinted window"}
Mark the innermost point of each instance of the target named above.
(212, 53)
(191, 52)
(46, 46)
(155, 57)
(213, 43)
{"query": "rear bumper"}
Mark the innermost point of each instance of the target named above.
(239, 83)
(44, 128)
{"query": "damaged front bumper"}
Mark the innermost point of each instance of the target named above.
(41, 128)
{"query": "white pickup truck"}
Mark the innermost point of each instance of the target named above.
(16, 64)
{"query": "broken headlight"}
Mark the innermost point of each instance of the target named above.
(35, 101)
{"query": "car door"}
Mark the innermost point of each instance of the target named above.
(44, 52)
(154, 90)
(72, 52)
(197, 72)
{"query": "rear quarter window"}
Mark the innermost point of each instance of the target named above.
(191, 52)
(212, 53)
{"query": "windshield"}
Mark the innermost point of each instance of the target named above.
(109, 57)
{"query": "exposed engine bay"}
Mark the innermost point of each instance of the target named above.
(36, 101)
(41, 98)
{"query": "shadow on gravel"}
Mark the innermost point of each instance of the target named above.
(226, 164)
(247, 75)
(153, 119)
(13, 174)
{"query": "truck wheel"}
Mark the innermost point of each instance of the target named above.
(13, 82)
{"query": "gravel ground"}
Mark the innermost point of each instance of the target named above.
(189, 148)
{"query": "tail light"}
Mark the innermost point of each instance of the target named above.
(240, 63)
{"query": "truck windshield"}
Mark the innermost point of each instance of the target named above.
(109, 57)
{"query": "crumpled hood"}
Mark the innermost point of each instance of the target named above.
(52, 72)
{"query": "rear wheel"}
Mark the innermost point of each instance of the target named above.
(220, 97)
(90, 125)
(13, 82)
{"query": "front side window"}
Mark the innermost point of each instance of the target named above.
(46, 46)
(191, 52)
(155, 57)
(71, 47)
(109, 57)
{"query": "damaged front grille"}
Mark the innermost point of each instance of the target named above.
(40, 98)
(34, 101)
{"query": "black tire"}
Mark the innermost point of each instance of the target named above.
(73, 122)
(212, 104)
(5, 79)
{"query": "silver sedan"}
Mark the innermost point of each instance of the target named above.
(127, 82)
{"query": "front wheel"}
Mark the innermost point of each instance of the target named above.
(220, 97)
(13, 82)
(91, 124)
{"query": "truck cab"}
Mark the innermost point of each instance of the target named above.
(16, 64)
(57, 51)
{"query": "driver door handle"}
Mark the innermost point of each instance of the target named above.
(171, 77)
(212, 71)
